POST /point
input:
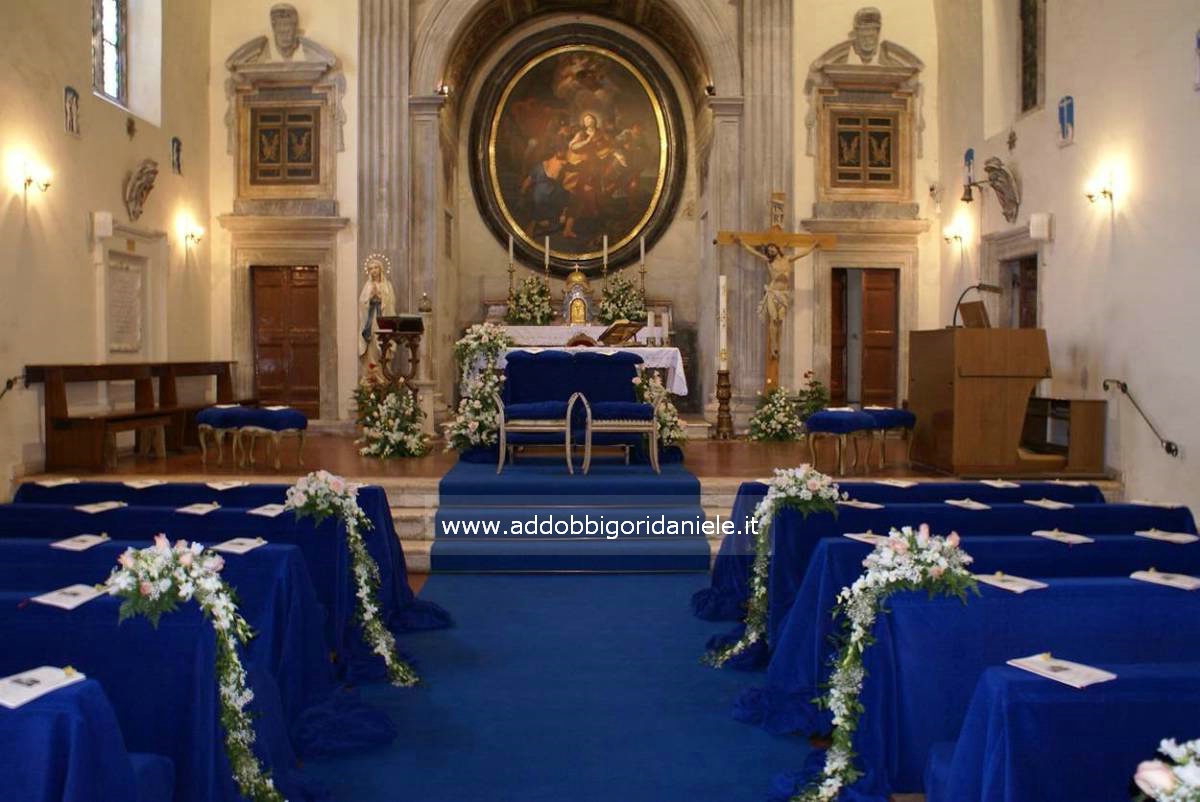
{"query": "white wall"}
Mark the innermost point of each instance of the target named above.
(818, 25)
(333, 24)
(1119, 287)
(47, 277)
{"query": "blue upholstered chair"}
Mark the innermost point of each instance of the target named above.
(274, 423)
(537, 402)
(890, 420)
(612, 409)
(840, 423)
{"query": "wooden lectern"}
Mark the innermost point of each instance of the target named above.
(970, 389)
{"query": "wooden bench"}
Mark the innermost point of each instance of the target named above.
(89, 441)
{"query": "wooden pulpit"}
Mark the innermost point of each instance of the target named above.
(970, 389)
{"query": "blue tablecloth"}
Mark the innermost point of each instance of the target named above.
(67, 746)
(1027, 738)
(403, 610)
(930, 653)
(725, 599)
(800, 656)
(162, 685)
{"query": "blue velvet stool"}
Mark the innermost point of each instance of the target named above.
(216, 422)
(274, 423)
(894, 421)
(840, 424)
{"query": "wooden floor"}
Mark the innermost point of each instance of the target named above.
(707, 459)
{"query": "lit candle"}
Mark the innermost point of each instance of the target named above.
(510, 249)
(642, 248)
(723, 317)
(666, 327)
(547, 250)
(606, 250)
(649, 324)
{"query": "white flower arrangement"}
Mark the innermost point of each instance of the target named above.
(620, 300)
(652, 391)
(321, 495)
(907, 560)
(780, 414)
(477, 420)
(1173, 780)
(530, 303)
(155, 580)
(390, 419)
(804, 489)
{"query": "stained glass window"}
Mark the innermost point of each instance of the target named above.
(110, 49)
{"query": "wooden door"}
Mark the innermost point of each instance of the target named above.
(839, 337)
(1026, 292)
(881, 336)
(287, 358)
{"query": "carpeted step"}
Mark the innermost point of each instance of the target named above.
(545, 555)
(539, 484)
(600, 523)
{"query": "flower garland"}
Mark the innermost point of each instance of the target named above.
(803, 489)
(1176, 781)
(153, 581)
(652, 391)
(321, 495)
(530, 304)
(620, 300)
(390, 419)
(780, 415)
(908, 560)
(478, 353)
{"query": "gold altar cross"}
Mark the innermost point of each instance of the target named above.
(770, 246)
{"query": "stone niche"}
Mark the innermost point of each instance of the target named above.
(284, 121)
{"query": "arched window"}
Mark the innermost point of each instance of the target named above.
(110, 49)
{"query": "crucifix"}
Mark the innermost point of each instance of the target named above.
(771, 246)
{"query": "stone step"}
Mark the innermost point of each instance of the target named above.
(417, 553)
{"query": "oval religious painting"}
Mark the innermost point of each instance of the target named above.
(577, 138)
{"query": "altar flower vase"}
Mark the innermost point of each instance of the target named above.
(1154, 778)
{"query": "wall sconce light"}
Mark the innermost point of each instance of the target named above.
(193, 237)
(1100, 192)
(37, 176)
(950, 234)
(444, 90)
(710, 90)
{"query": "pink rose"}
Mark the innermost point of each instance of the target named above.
(161, 543)
(953, 540)
(126, 560)
(218, 562)
(145, 588)
(185, 558)
(900, 546)
(1154, 777)
(181, 545)
(814, 484)
(937, 571)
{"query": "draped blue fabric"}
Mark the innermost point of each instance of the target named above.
(891, 418)
(274, 594)
(833, 421)
(930, 653)
(275, 420)
(801, 655)
(795, 536)
(1027, 738)
(222, 417)
(162, 685)
(67, 747)
(404, 611)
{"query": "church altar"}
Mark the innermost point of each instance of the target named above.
(561, 335)
(667, 359)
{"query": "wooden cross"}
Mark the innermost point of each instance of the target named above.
(777, 296)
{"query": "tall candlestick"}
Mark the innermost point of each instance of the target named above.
(642, 248)
(650, 338)
(665, 334)
(642, 266)
(510, 249)
(547, 261)
(723, 317)
(606, 250)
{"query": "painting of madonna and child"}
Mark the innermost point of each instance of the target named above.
(580, 145)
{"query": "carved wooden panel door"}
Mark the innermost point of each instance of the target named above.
(287, 361)
(839, 337)
(881, 336)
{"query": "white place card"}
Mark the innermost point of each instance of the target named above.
(101, 506)
(876, 407)
(903, 484)
(870, 538)
(142, 484)
(57, 481)
(765, 480)
(1179, 538)
(1166, 505)
(839, 409)
(1071, 482)
(1070, 538)
(1076, 675)
(200, 509)
(239, 545)
(1049, 504)
(226, 406)
(268, 510)
(967, 504)
(226, 485)
(70, 597)
(1181, 581)
(278, 407)
(19, 689)
(1016, 584)
(999, 484)
(80, 542)
(860, 505)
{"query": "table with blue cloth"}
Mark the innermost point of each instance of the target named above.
(725, 598)
(930, 653)
(403, 610)
(162, 683)
(801, 654)
(67, 746)
(1026, 737)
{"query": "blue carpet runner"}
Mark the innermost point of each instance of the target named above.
(537, 517)
(564, 688)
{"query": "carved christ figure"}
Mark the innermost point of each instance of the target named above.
(777, 294)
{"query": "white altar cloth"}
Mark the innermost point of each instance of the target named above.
(668, 359)
(561, 335)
